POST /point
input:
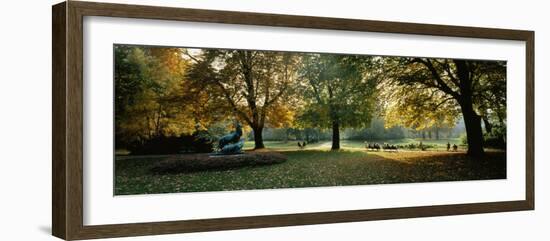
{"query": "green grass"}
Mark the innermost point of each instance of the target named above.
(312, 168)
(440, 144)
(281, 145)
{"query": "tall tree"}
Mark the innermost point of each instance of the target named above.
(339, 93)
(415, 106)
(490, 97)
(151, 96)
(457, 80)
(252, 84)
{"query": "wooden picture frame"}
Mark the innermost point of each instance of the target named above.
(67, 152)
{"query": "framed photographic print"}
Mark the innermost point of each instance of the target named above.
(171, 120)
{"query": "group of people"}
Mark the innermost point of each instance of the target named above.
(455, 147)
(377, 147)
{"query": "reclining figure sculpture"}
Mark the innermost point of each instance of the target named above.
(231, 143)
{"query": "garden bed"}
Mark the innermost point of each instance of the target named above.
(210, 162)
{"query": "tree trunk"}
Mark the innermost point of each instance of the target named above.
(335, 135)
(157, 122)
(437, 133)
(258, 138)
(474, 133)
(472, 120)
(423, 135)
(286, 135)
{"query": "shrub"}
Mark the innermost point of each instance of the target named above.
(196, 143)
(496, 138)
(494, 142)
(464, 139)
(413, 146)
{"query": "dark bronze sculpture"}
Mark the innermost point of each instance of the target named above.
(231, 143)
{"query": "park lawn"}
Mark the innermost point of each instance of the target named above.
(440, 144)
(281, 145)
(312, 168)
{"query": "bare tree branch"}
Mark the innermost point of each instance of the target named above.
(440, 84)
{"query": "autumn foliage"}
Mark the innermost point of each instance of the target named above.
(166, 92)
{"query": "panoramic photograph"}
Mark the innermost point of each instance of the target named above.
(203, 119)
